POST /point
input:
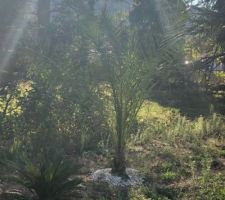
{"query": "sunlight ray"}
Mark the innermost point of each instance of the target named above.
(15, 33)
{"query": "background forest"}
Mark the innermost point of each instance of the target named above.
(93, 84)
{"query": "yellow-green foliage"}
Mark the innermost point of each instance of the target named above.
(168, 121)
(137, 195)
(152, 111)
(12, 99)
(220, 75)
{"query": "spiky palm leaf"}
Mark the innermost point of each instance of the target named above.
(50, 179)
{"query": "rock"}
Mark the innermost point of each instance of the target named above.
(105, 175)
(217, 165)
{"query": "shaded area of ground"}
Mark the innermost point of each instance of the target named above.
(166, 168)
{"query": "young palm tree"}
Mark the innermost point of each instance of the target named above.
(127, 76)
(130, 67)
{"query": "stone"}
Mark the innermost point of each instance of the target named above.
(105, 175)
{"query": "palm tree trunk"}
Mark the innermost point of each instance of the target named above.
(119, 161)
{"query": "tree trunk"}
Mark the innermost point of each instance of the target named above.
(119, 162)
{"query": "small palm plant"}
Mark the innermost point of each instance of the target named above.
(50, 179)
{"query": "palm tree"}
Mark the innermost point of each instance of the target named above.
(127, 77)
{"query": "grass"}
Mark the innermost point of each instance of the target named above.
(158, 120)
(175, 155)
(178, 153)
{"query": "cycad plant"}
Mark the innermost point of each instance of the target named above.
(50, 179)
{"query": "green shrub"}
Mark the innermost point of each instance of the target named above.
(49, 178)
(169, 176)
